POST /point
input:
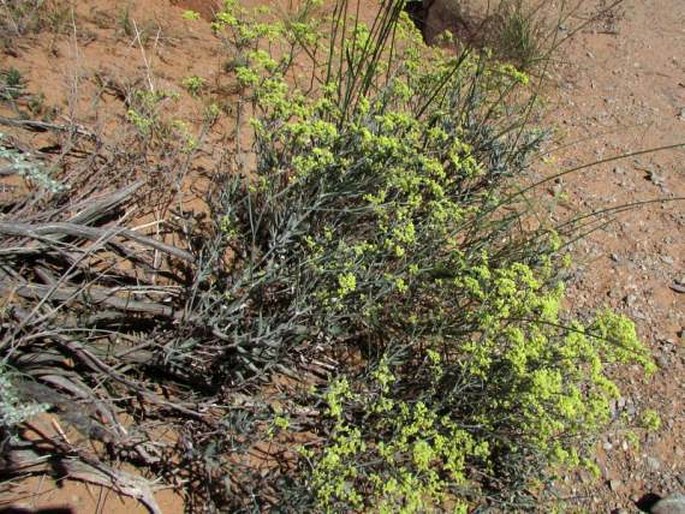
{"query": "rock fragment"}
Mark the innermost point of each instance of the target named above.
(672, 504)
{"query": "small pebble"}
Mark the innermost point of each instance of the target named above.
(662, 361)
(629, 300)
(631, 410)
(653, 463)
(677, 288)
(672, 504)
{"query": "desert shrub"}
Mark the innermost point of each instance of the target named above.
(377, 222)
(371, 242)
(14, 410)
(12, 84)
(526, 33)
(24, 166)
(22, 17)
(520, 33)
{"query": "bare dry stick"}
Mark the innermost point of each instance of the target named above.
(71, 229)
(92, 471)
(104, 206)
(43, 126)
(93, 295)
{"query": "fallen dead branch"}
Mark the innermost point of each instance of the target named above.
(85, 469)
(43, 126)
(39, 231)
(82, 319)
(95, 296)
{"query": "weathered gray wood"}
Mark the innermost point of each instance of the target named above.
(36, 231)
(90, 470)
(103, 206)
(93, 295)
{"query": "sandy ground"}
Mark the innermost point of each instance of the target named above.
(619, 88)
(622, 90)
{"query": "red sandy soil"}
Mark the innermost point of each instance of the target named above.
(620, 87)
(622, 90)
